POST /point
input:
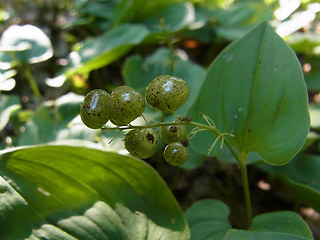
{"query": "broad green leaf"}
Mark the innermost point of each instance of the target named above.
(208, 220)
(255, 90)
(101, 9)
(52, 121)
(100, 51)
(281, 222)
(277, 225)
(8, 105)
(137, 10)
(175, 17)
(73, 193)
(302, 177)
(138, 73)
(244, 235)
(37, 45)
(7, 83)
(238, 19)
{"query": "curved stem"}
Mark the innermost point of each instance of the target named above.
(170, 42)
(32, 82)
(161, 124)
(244, 176)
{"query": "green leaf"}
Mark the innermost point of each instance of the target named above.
(29, 43)
(137, 10)
(239, 18)
(8, 105)
(277, 225)
(302, 177)
(281, 222)
(100, 51)
(208, 219)
(138, 73)
(7, 83)
(243, 235)
(52, 121)
(255, 90)
(61, 192)
(176, 17)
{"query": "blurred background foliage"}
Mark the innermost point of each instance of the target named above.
(53, 52)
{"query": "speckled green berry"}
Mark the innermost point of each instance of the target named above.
(167, 93)
(95, 109)
(127, 105)
(141, 143)
(176, 154)
(173, 133)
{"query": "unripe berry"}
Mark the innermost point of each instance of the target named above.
(127, 105)
(173, 133)
(176, 154)
(167, 93)
(141, 143)
(95, 109)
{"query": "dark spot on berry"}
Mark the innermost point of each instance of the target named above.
(173, 129)
(150, 137)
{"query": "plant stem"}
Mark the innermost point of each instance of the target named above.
(169, 41)
(161, 124)
(31, 81)
(244, 176)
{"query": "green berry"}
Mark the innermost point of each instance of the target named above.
(127, 105)
(95, 109)
(167, 93)
(141, 143)
(176, 154)
(173, 133)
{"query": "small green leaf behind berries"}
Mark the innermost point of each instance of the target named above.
(176, 154)
(141, 143)
(173, 133)
(95, 109)
(127, 105)
(167, 93)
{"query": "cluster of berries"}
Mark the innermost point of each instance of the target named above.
(165, 93)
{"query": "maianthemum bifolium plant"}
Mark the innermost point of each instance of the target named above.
(252, 103)
(258, 106)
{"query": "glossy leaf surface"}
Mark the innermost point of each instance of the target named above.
(255, 90)
(102, 50)
(52, 121)
(8, 105)
(277, 226)
(29, 44)
(60, 192)
(302, 177)
(208, 219)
